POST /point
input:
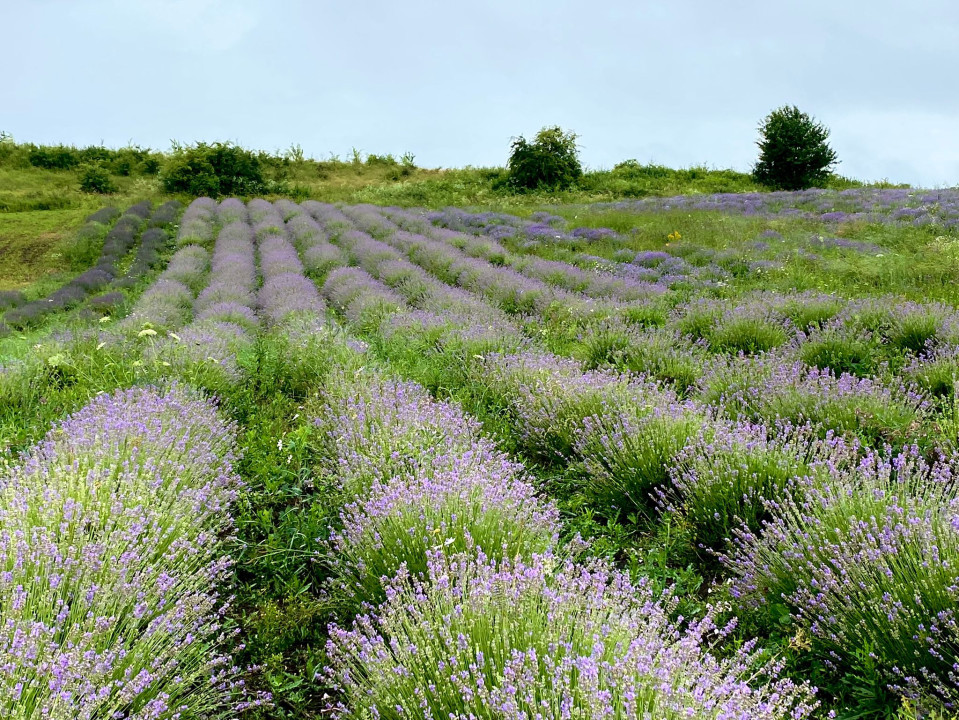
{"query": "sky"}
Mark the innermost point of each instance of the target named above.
(679, 83)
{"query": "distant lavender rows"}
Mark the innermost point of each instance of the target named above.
(802, 328)
(679, 265)
(139, 223)
(894, 205)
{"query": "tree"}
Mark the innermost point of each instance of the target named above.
(94, 178)
(793, 152)
(212, 169)
(550, 162)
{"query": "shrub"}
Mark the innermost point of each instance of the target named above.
(768, 389)
(550, 162)
(128, 515)
(386, 428)
(95, 178)
(549, 398)
(545, 639)
(840, 349)
(213, 169)
(729, 478)
(793, 152)
(867, 563)
(54, 157)
(482, 502)
(659, 353)
(628, 453)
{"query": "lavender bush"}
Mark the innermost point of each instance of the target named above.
(111, 556)
(544, 638)
(867, 563)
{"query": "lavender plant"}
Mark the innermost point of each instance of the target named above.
(867, 563)
(111, 557)
(544, 638)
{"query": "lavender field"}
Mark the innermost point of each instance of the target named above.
(687, 457)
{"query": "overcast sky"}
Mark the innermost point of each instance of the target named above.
(679, 82)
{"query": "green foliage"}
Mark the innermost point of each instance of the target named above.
(840, 352)
(793, 152)
(54, 157)
(94, 178)
(551, 161)
(213, 169)
(628, 457)
(749, 335)
(84, 249)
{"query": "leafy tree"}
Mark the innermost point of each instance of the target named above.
(94, 178)
(213, 169)
(551, 161)
(793, 152)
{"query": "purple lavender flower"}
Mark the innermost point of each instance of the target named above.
(867, 558)
(524, 638)
(109, 587)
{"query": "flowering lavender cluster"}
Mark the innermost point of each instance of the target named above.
(730, 477)
(361, 298)
(285, 289)
(198, 223)
(420, 475)
(770, 388)
(866, 559)
(544, 638)
(318, 254)
(432, 495)
(111, 557)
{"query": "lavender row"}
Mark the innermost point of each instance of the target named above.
(117, 242)
(225, 322)
(112, 556)
(168, 302)
(305, 345)
(152, 242)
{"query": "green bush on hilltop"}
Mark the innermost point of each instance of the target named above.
(550, 161)
(793, 152)
(94, 178)
(212, 169)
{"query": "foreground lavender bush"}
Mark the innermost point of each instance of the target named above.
(868, 563)
(111, 552)
(544, 639)
(378, 428)
(425, 478)
(550, 398)
(727, 477)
